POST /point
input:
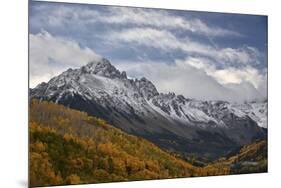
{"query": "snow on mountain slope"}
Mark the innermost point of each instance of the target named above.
(99, 80)
(255, 110)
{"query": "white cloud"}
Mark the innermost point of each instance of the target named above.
(208, 72)
(227, 75)
(194, 77)
(50, 55)
(62, 14)
(142, 17)
(166, 40)
(164, 20)
(200, 81)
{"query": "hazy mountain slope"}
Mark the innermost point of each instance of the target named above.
(208, 129)
(250, 158)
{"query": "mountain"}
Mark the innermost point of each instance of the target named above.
(207, 129)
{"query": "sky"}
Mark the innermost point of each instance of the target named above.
(207, 56)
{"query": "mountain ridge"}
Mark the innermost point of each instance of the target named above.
(135, 106)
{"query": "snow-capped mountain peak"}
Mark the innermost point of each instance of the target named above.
(103, 68)
(100, 79)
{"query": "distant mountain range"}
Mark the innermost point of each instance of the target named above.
(207, 129)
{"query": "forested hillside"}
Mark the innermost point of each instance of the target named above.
(69, 147)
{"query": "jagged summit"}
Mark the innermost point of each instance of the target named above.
(146, 87)
(104, 68)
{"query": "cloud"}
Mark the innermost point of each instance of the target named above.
(177, 52)
(199, 82)
(164, 20)
(227, 75)
(167, 41)
(50, 55)
(57, 16)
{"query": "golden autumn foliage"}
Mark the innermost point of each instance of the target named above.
(73, 179)
(69, 147)
(42, 172)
